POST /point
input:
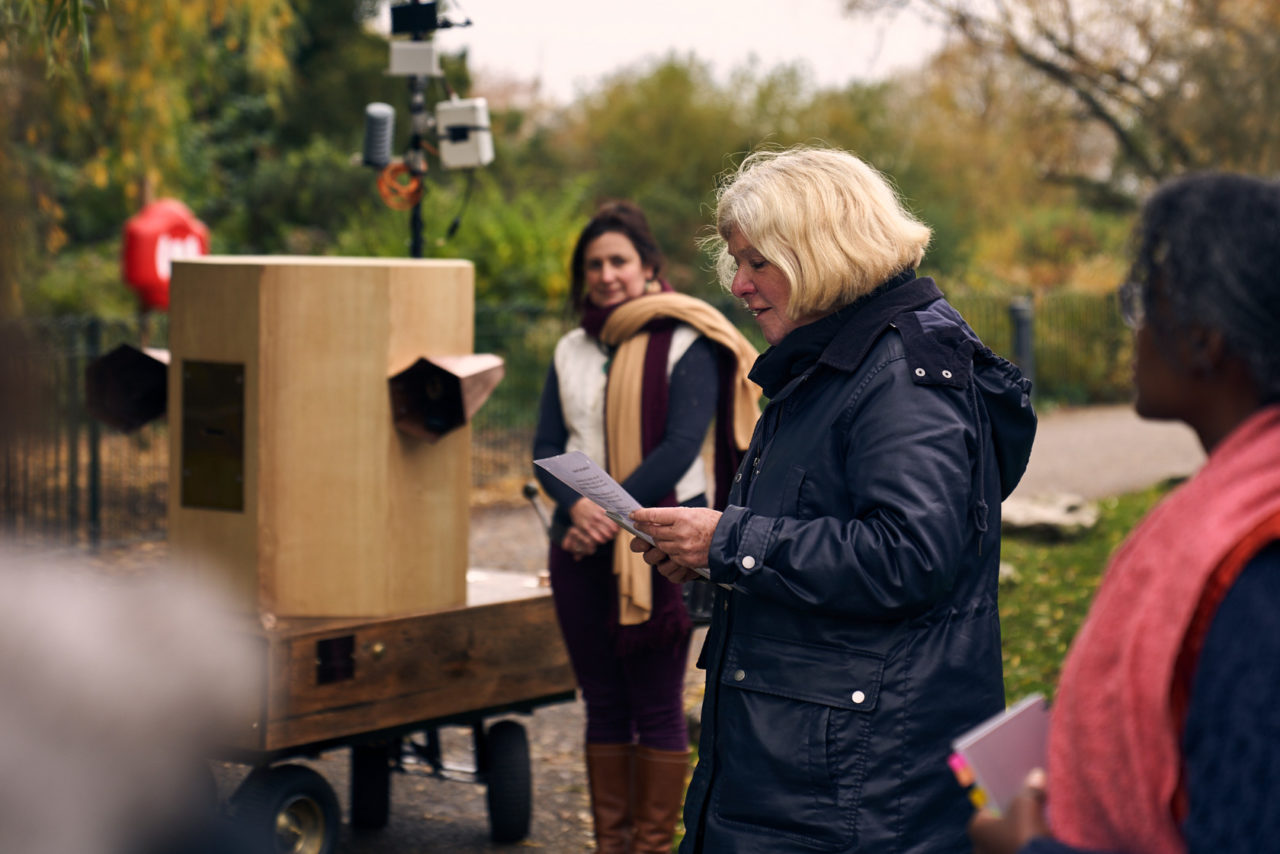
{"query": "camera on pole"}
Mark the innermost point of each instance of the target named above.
(456, 132)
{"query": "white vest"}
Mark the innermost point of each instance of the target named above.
(581, 363)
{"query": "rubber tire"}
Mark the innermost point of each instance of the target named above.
(508, 781)
(268, 792)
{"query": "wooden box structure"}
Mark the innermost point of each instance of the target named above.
(288, 477)
(331, 679)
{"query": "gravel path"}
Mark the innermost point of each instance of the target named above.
(1098, 451)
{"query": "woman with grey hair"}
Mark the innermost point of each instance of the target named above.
(855, 629)
(1163, 732)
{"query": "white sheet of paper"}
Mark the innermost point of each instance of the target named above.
(578, 471)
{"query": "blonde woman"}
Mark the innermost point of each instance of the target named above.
(859, 632)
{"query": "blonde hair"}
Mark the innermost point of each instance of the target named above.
(832, 224)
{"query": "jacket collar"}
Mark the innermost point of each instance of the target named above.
(872, 316)
(840, 339)
(797, 352)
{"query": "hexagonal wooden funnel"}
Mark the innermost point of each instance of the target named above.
(433, 396)
(127, 387)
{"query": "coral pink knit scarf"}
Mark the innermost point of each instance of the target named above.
(1115, 736)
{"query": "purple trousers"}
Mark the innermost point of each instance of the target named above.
(631, 696)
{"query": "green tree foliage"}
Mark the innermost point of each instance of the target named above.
(154, 65)
(659, 136)
(662, 136)
(44, 26)
(340, 64)
(93, 143)
(32, 35)
(519, 240)
(251, 111)
(1002, 223)
(278, 175)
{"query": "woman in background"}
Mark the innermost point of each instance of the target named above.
(635, 387)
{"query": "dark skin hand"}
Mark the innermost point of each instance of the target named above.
(1022, 822)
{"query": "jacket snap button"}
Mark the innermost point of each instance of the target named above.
(919, 372)
(748, 562)
(858, 696)
(739, 675)
(737, 477)
(946, 374)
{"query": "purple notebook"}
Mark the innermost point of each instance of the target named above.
(995, 757)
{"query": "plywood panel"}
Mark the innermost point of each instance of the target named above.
(214, 316)
(344, 516)
(325, 424)
(430, 481)
(451, 295)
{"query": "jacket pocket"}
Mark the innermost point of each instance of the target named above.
(792, 730)
(790, 498)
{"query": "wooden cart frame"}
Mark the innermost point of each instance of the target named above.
(367, 684)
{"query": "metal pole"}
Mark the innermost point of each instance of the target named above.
(74, 419)
(415, 157)
(415, 230)
(1022, 315)
(94, 341)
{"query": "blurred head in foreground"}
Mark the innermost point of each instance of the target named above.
(115, 691)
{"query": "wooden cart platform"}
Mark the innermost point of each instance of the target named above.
(367, 684)
(327, 680)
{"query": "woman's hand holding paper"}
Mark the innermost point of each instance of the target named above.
(681, 535)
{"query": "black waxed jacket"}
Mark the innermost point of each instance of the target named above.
(862, 540)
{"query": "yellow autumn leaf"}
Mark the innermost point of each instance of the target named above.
(55, 240)
(98, 174)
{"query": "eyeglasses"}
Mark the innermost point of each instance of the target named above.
(1132, 304)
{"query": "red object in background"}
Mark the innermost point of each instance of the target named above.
(154, 238)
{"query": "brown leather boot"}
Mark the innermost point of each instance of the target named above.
(661, 776)
(610, 771)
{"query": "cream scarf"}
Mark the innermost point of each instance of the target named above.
(623, 416)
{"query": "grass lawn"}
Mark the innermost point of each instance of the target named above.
(1043, 608)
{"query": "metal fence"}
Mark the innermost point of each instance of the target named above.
(66, 479)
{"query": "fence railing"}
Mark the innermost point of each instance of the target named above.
(66, 479)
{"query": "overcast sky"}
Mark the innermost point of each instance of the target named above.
(569, 45)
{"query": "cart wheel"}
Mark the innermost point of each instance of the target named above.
(291, 808)
(508, 781)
